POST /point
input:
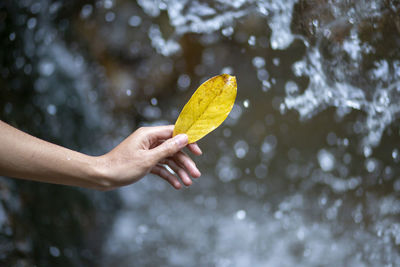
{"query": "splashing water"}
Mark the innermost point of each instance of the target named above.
(208, 17)
(321, 93)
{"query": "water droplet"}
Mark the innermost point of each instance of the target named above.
(151, 112)
(227, 173)
(367, 150)
(274, 44)
(323, 200)
(346, 142)
(241, 148)
(227, 31)
(327, 33)
(291, 88)
(258, 62)
(110, 16)
(12, 36)
(108, 4)
(51, 109)
(227, 132)
(227, 70)
(282, 108)
(135, 21)
(154, 101)
(252, 40)
(326, 160)
(31, 23)
(396, 155)
(240, 214)
(300, 234)
(46, 68)
(86, 11)
(370, 165)
(266, 85)
(183, 82)
(54, 251)
(262, 74)
(269, 144)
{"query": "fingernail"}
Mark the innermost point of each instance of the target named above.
(181, 139)
(196, 172)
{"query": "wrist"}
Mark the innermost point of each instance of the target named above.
(100, 174)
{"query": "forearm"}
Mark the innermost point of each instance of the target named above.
(27, 157)
(145, 150)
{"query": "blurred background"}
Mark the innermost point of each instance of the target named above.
(304, 172)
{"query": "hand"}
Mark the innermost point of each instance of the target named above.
(149, 149)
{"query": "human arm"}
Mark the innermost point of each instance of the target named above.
(27, 157)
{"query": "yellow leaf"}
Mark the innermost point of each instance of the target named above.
(207, 108)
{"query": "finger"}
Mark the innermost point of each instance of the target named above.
(166, 175)
(195, 149)
(168, 148)
(157, 133)
(178, 170)
(186, 162)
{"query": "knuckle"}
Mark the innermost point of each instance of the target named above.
(140, 129)
(170, 148)
(169, 162)
(164, 173)
(180, 155)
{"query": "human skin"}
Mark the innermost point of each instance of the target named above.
(146, 150)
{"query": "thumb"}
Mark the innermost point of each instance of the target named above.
(169, 147)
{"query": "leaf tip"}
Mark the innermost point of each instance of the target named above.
(229, 78)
